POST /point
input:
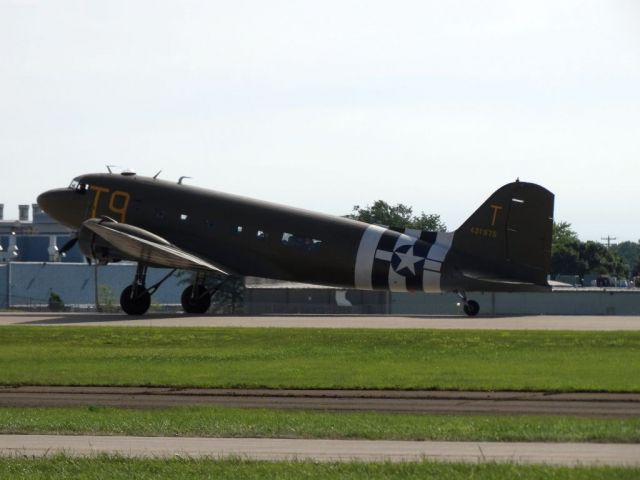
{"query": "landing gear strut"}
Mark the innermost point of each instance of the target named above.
(470, 307)
(136, 298)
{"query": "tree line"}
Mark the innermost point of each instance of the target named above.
(571, 256)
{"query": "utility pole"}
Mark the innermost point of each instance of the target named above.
(9, 293)
(95, 286)
(608, 238)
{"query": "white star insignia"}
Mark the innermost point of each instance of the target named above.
(408, 260)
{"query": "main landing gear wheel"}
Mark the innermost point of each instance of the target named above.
(135, 300)
(471, 308)
(196, 299)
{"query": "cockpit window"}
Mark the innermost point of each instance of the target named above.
(78, 186)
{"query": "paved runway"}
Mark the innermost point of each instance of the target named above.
(541, 322)
(407, 401)
(323, 450)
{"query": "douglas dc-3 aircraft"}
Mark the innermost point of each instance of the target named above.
(504, 246)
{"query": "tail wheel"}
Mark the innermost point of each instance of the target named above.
(471, 308)
(135, 300)
(197, 301)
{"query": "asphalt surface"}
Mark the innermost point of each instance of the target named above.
(540, 322)
(323, 450)
(401, 401)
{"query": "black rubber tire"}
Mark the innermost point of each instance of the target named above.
(199, 305)
(471, 308)
(135, 303)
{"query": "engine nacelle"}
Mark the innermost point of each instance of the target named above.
(95, 248)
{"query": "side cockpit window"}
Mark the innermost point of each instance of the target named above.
(78, 186)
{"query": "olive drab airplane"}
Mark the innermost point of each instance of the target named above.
(504, 246)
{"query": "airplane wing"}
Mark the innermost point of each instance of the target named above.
(143, 246)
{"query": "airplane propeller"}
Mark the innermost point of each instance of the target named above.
(69, 245)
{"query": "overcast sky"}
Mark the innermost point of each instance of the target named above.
(325, 105)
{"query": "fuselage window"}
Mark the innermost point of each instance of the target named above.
(261, 235)
(301, 242)
(184, 217)
(238, 230)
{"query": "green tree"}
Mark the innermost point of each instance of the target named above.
(399, 215)
(570, 256)
(565, 251)
(562, 233)
(603, 261)
(55, 302)
(630, 253)
(566, 259)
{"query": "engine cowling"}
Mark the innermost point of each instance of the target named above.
(95, 248)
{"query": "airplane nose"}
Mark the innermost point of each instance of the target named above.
(63, 205)
(45, 200)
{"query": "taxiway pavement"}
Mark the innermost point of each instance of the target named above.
(540, 322)
(323, 450)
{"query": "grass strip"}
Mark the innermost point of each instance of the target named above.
(321, 358)
(206, 421)
(110, 467)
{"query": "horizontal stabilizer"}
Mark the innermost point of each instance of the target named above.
(490, 282)
(501, 281)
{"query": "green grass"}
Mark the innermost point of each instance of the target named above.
(105, 467)
(236, 422)
(321, 358)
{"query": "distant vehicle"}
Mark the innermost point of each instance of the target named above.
(504, 246)
(604, 281)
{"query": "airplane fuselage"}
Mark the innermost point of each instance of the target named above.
(503, 246)
(250, 237)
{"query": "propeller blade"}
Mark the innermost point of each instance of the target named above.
(68, 246)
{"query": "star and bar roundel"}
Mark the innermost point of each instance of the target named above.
(400, 261)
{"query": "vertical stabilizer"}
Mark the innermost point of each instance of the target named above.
(509, 236)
